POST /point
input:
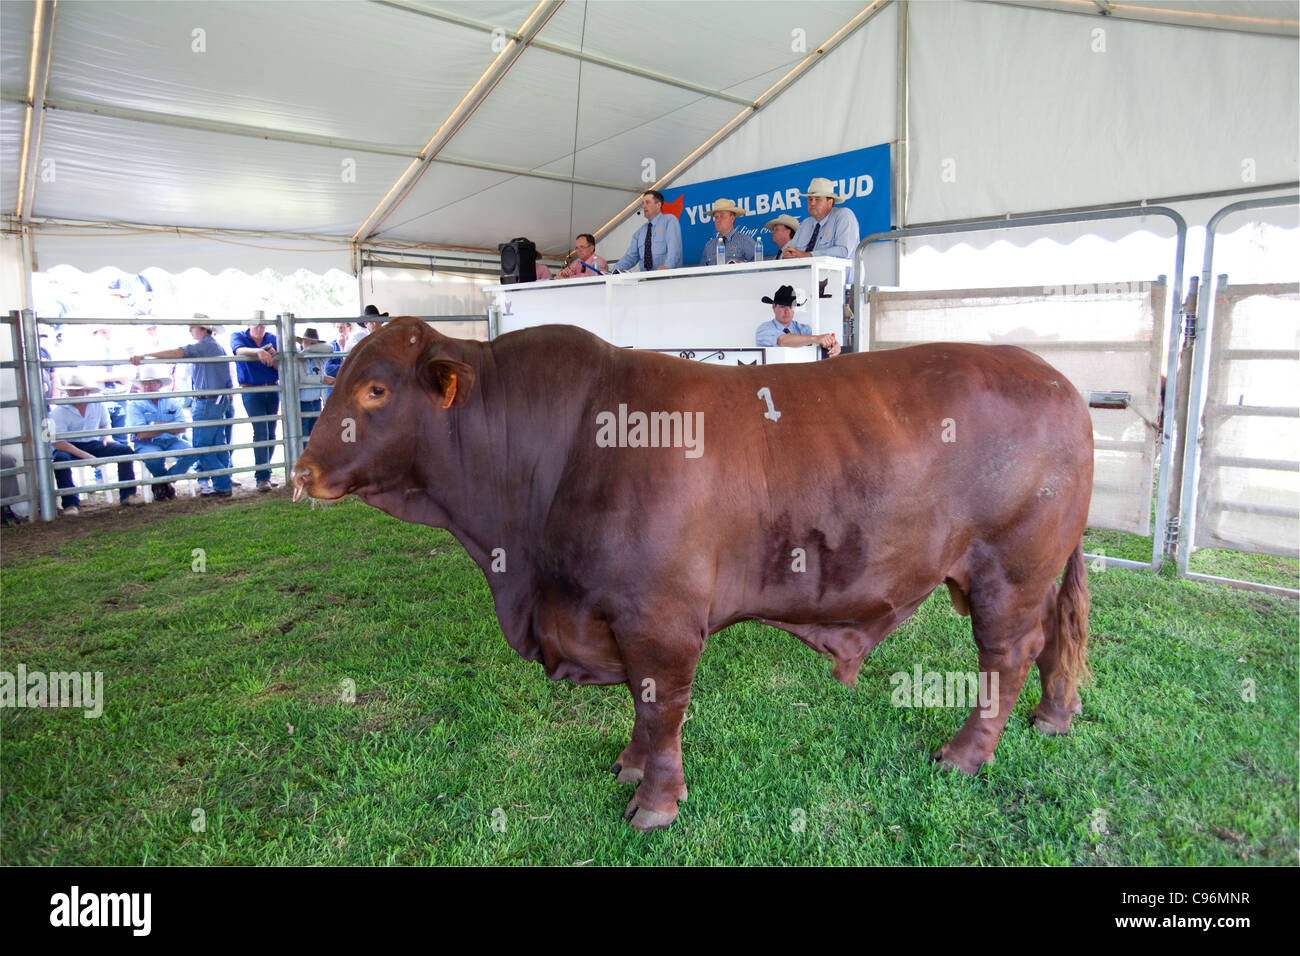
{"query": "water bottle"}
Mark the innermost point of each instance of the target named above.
(720, 251)
(758, 248)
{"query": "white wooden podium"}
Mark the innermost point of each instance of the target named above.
(707, 314)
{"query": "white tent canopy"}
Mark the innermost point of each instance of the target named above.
(307, 127)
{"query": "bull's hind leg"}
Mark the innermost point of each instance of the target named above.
(1009, 640)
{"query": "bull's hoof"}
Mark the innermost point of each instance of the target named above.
(1051, 725)
(948, 759)
(628, 774)
(645, 820)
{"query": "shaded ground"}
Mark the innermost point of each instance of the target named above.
(97, 516)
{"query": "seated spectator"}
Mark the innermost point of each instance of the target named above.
(159, 410)
(784, 331)
(9, 514)
(782, 228)
(312, 358)
(827, 231)
(86, 416)
(737, 247)
(587, 263)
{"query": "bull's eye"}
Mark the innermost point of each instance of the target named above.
(376, 391)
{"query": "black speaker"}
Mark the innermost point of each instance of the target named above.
(518, 261)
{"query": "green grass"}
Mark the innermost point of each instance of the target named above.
(223, 696)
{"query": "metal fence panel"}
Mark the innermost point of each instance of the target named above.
(1106, 338)
(1248, 492)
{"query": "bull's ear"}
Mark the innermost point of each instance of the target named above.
(449, 381)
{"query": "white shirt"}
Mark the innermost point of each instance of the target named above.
(67, 419)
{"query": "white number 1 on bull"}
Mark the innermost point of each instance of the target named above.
(766, 395)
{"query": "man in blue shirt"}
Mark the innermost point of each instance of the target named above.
(827, 231)
(737, 247)
(258, 342)
(784, 331)
(657, 244)
(211, 409)
(158, 410)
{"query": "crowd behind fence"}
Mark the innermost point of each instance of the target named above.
(27, 433)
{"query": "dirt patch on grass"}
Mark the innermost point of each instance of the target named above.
(37, 538)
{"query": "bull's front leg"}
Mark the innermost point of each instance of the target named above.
(660, 674)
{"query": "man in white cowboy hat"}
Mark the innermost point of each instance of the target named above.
(168, 413)
(79, 417)
(737, 246)
(782, 228)
(783, 330)
(827, 231)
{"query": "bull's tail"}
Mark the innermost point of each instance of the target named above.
(1072, 603)
(1063, 663)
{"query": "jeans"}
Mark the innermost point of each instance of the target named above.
(100, 449)
(309, 423)
(208, 435)
(166, 442)
(262, 403)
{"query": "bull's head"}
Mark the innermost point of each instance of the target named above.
(393, 396)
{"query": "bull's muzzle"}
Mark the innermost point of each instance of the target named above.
(302, 478)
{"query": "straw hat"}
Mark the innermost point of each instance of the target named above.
(76, 380)
(726, 205)
(787, 220)
(154, 373)
(823, 187)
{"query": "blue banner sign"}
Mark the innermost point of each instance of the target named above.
(861, 174)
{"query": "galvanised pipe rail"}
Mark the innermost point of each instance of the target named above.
(1200, 374)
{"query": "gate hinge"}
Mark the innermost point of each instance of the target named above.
(1171, 534)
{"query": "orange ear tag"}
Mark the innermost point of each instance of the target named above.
(451, 391)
